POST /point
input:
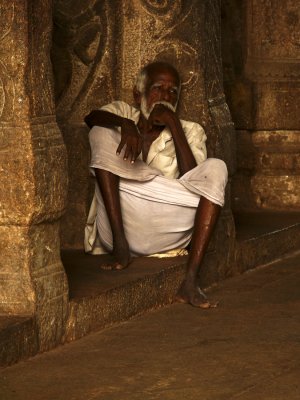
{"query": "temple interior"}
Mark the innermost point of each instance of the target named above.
(239, 63)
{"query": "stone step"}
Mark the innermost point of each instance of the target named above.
(18, 339)
(101, 298)
(263, 237)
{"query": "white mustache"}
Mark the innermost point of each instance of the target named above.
(164, 103)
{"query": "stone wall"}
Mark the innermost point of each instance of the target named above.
(32, 168)
(261, 56)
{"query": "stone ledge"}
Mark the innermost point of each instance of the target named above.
(101, 298)
(121, 303)
(276, 235)
(18, 339)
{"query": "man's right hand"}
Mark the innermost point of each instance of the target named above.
(131, 139)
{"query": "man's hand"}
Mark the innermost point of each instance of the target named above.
(130, 138)
(161, 115)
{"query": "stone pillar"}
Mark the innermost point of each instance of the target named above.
(85, 57)
(188, 35)
(33, 172)
(262, 69)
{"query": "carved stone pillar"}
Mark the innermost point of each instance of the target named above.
(262, 67)
(33, 172)
(85, 59)
(187, 34)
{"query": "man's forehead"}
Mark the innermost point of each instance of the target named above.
(159, 73)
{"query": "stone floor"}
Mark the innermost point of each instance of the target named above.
(99, 298)
(86, 279)
(248, 348)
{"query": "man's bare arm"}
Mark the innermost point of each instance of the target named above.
(130, 137)
(185, 158)
(103, 118)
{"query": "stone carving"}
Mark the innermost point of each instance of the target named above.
(263, 94)
(4, 144)
(33, 173)
(39, 68)
(7, 98)
(182, 54)
(167, 9)
(2, 95)
(79, 43)
(161, 31)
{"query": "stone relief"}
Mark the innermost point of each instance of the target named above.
(7, 87)
(160, 31)
(40, 74)
(167, 16)
(182, 54)
(79, 42)
(167, 9)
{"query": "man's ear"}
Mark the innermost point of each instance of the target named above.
(137, 96)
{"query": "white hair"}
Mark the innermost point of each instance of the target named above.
(141, 80)
(143, 75)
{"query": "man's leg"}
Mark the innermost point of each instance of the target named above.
(205, 221)
(109, 187)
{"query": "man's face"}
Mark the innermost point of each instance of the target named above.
(162, 87)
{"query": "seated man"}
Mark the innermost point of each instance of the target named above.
(155, 190)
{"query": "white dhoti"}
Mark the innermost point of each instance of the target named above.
(158, 212)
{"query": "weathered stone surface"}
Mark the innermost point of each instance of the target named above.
(16, 293)
(33, 173)
(30, 192)
(101, 298)
(262, 81)
(84, 53)
(81, 185)
(123, 302)
(277, 105)
(269, 170)
(267, 246)
(49, 282)
(18, 339)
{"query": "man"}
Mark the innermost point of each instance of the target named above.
(151, 170)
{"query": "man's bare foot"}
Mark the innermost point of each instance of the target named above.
(121, 257)
(192, 294)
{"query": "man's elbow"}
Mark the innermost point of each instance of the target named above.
(88, 119)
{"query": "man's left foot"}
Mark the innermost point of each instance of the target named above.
(193, 295)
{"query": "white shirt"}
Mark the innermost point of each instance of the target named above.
(162, 155)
